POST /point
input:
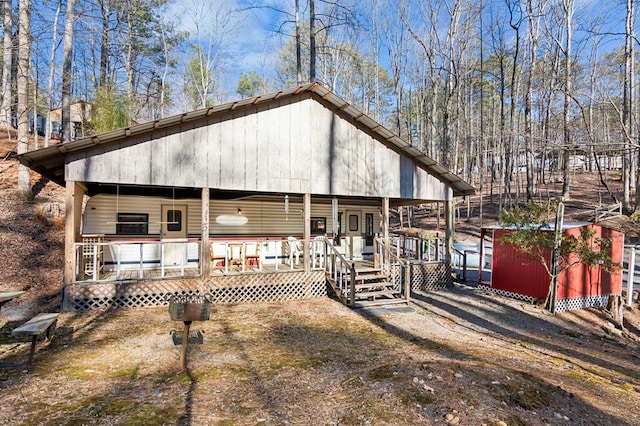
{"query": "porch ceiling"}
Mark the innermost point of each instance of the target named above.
(220, 194)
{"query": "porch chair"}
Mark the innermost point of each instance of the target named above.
(317, 252)
(252, 254)
(294, 250)
(219, 252)
(235, 255)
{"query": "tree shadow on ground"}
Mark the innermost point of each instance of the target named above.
(538, 337)
(490, 314)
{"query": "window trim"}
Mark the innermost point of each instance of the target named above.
(127, 225)
(318, 225)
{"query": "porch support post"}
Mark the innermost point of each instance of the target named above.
(205, 252)
(385, 230)
(335, 230)
(449, 213)
(73, 205)
(307, 231)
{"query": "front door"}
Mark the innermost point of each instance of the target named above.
(354, 234)
(173, 232)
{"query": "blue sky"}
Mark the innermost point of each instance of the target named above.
(245, 34)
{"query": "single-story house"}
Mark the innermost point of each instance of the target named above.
(268, 197)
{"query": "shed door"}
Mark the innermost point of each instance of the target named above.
(354, 234)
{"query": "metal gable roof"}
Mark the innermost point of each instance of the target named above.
(50, 161)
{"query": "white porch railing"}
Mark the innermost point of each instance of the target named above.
(97, 261)
(117, 260)
(429, 249)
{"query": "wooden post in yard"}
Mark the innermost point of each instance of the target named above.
(631, 273)
(407, 281)
(449, 227)
(184, 344)
(555, 255)
(352, 285)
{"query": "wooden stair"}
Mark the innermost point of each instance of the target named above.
(372, 288)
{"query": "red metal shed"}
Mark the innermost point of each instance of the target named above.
(515, 274)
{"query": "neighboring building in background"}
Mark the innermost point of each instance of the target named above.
(81, 112)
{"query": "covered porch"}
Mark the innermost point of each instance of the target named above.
(406, 265)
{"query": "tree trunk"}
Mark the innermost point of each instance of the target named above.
(24, 53)
(66, 71)
(630, 102)
(568, 9)
(627, 102)
(54, 41)
(104, 44)
(616, 311)
(7, 56)
(528, 119)
(298, 47)
(34, 120)
(312, 41)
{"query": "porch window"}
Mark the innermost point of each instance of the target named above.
(132, 224)
(353, 222)
(318, 225)
(368, 227)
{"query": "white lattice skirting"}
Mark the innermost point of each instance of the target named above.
(430, 276)
(600, 301)
(226, 289)
(509, 294)
(562, 305)
(238, 288)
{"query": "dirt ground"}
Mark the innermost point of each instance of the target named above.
(456, 356)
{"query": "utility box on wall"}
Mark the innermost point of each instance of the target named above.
(515, 274)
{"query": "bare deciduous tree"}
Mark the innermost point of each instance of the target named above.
(66, 70)
(7, 56)
(24, 53)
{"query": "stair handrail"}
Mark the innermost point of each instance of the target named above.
(386, 258)
(341, 271)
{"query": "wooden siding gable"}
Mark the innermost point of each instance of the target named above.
(296, 145)
(52, 161)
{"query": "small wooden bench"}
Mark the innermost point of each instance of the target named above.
(41, 323)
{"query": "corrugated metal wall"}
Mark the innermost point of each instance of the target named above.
(514, 272)
(581, 281)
